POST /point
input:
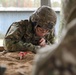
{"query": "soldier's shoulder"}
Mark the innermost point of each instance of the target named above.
(21, 23)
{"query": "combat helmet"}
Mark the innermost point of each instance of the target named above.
(44, 17)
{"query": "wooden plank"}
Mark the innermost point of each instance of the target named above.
(1, 48)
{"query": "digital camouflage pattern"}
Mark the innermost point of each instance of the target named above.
(21, 35)
(45, 17)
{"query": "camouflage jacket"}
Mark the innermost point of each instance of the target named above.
(21, 36)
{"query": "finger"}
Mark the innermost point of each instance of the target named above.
(42, 39)
(42, 44)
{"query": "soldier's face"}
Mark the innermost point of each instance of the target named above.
(41, 31)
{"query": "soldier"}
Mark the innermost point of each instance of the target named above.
(32, 34)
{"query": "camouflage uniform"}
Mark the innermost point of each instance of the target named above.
(21, 35)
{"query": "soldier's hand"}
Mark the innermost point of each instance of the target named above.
(42, 42)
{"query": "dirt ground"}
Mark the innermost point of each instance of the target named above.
(16, 66)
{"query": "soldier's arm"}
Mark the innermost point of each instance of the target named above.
(12, 40)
